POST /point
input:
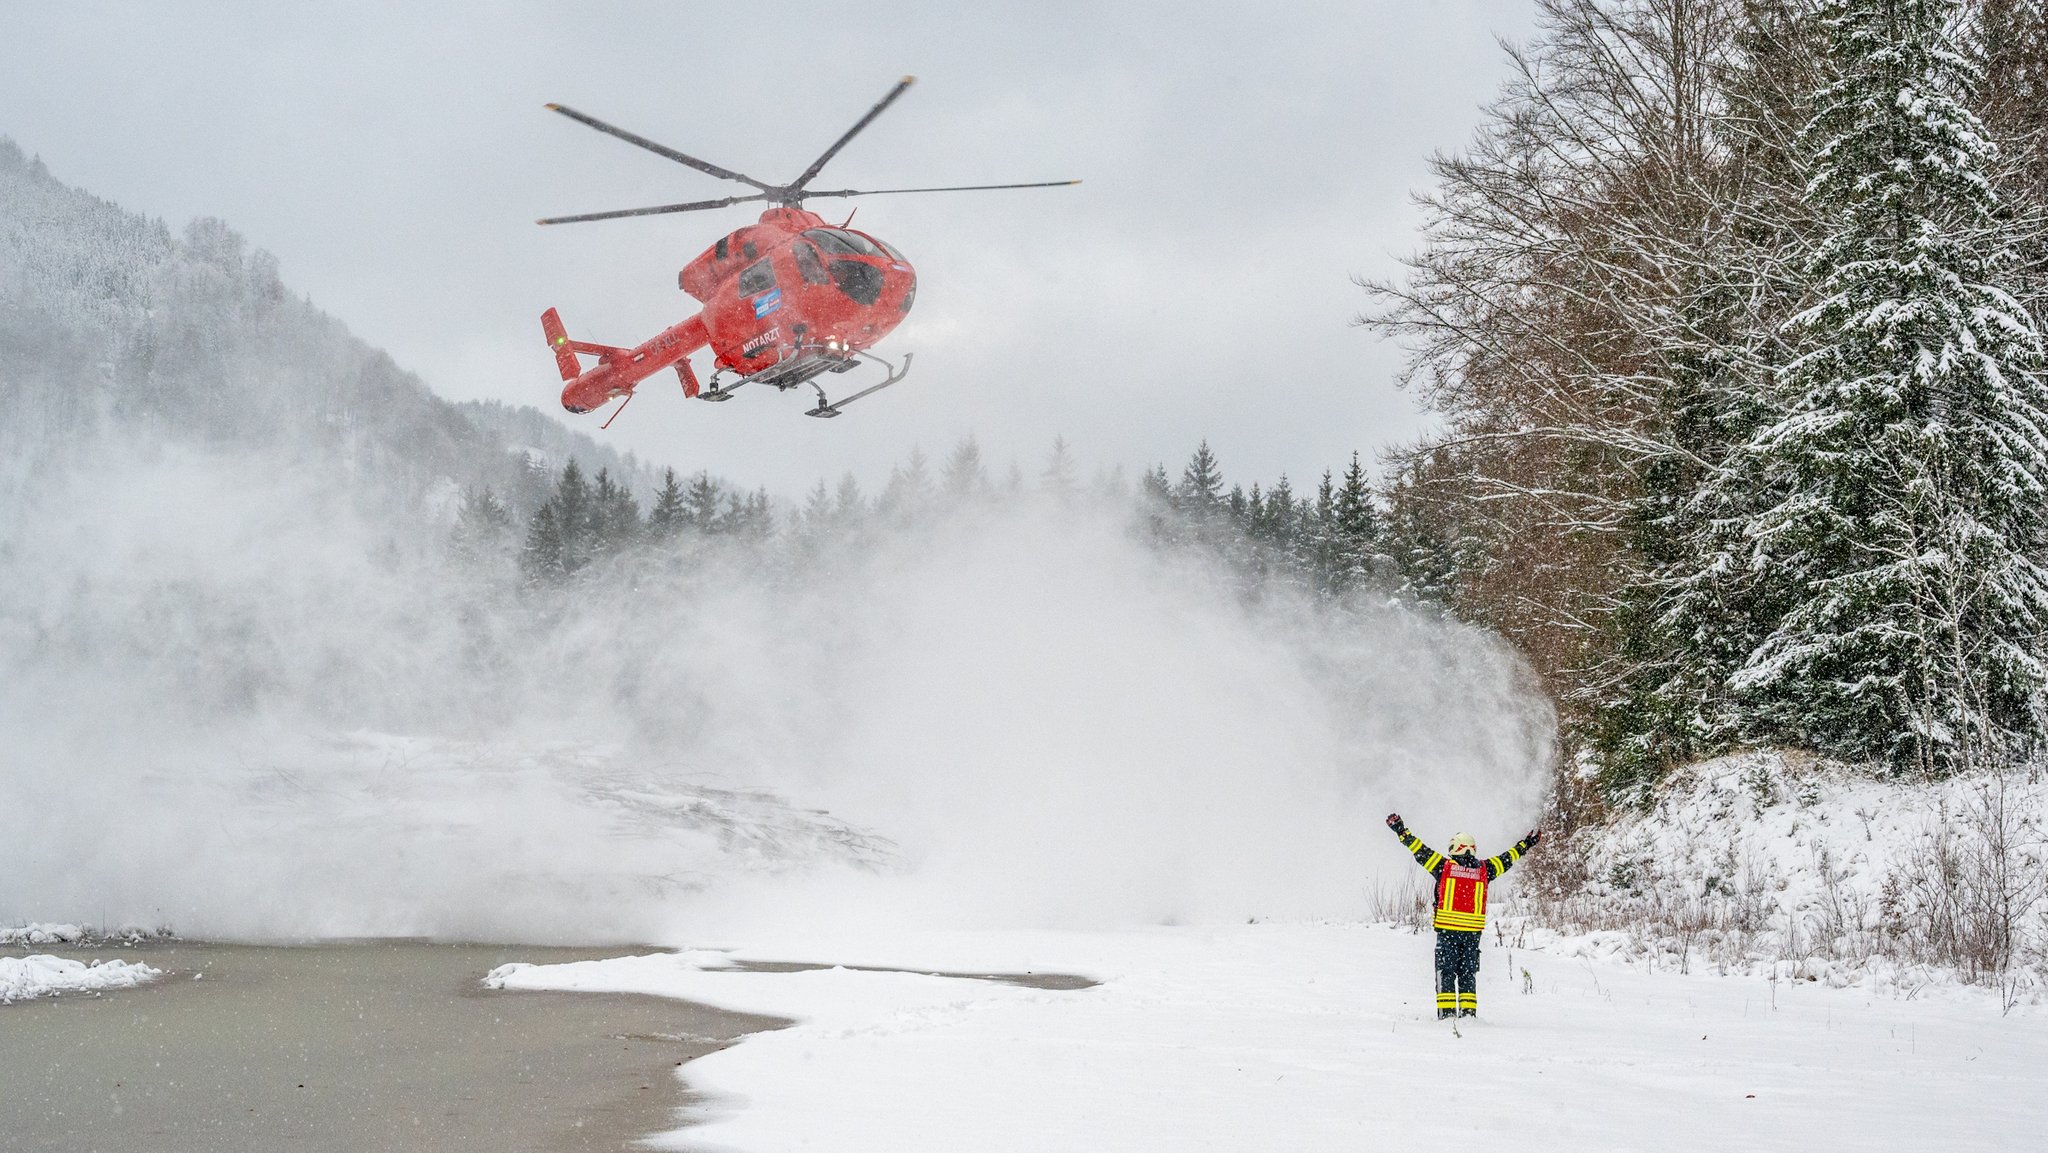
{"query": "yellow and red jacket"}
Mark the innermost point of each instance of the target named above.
(1461, 882)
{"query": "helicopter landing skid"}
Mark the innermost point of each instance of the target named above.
(716, 391)
(828, 408)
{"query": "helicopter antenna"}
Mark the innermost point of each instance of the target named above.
(792, 193)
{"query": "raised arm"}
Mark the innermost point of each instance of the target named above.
(1425, 856)
(1495, 866)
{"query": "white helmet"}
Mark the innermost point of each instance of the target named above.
(1463, 843)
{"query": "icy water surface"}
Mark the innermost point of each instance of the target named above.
(386, 1045)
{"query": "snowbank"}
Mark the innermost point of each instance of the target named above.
(41, 933)
(1766, 864)
(1313, 1037)
(34, 976)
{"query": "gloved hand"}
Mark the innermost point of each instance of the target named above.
(1394, 823)
(1534, 836)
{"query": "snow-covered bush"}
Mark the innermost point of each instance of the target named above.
(1777, 863)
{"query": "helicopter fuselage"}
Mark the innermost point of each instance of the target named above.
(784, 299)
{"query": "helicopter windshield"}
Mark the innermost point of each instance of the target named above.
(838, 242)
(808, 264)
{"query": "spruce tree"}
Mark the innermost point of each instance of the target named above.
(572, 505)
(1354, 529)
(1200, 493)
(965, 477)
(614, 517)
(1058, 480)
(669, 514)
(909, 491)
(849, 504)
(1156, 505)
(1319, 537)
(1900, 497)
(814, 519)
(543, 560)
(483, 526)
(701, 502)
(1280, 527)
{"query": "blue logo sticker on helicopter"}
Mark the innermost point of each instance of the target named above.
(767, 302)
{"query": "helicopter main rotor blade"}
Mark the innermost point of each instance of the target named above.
(954, 188)
(703, 166)
(797, 185)
(693, 206)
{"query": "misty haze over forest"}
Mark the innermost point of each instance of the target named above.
(258, 630)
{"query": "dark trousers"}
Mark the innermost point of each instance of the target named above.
(1457, 973)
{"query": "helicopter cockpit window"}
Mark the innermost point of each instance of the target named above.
(891, 250)
(862, 282)
(808, 264)
(758, 277)
(837, 242)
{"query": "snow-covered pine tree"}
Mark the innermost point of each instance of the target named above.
(483, 527)
(669, 514)
(1155, 505)
(1280, 529)
(1355, 529)
(909, 493)
(849, 504)
(1319, 535)
(1684, 632)
(1058, 479)
(701, 502)
(1199, 496)
(542, 560)
(751, 516)
(614, 517)
(1900, 497)
(814, 519)
(965, 476)
(572, 503)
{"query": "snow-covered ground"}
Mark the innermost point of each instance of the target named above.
(42, 933)
(1762, 863)
(41, 975)
(1319, 1037)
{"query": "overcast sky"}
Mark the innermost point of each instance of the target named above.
(1242, 163)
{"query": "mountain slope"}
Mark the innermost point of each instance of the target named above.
(109, 324)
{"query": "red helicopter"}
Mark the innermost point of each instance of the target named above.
(785, 300)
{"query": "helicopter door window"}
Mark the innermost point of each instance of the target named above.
(808, 264)
(758, 277)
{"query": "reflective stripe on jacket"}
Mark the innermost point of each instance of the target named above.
(1461, 897)
(1461, 906)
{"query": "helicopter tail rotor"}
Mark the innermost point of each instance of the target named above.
(558, 343)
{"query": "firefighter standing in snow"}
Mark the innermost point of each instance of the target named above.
(1461, 881)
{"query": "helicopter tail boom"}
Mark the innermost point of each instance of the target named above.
(618, 370)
